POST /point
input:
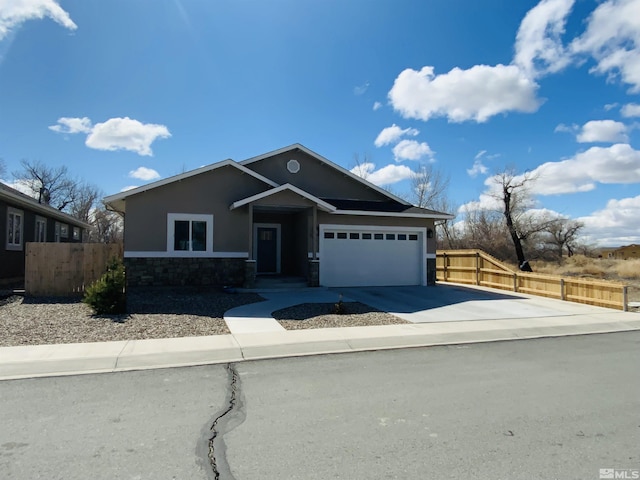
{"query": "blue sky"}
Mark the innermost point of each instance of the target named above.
(124, 92)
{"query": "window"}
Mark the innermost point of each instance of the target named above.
(41, 229)
(14, 229)
(57, 232)
(366, 236)
(76, 233)
(413, 237)
(342, 235)
(402, 236)
(64, 230)
(189, 232)
(391, 236)
(378, 236)
(329, 235)
(354, 236)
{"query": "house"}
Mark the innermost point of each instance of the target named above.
(626, 252)
(22, 220)
(290, 212)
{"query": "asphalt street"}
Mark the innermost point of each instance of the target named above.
(559, 408)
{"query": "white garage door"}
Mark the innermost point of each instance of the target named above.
(371, 256)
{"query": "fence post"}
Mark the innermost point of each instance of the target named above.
(562, 295)
(477, 268)
(625, 297)
(444, 266)
(515, 282)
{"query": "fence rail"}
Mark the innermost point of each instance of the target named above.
(57, 269)
(475, 267)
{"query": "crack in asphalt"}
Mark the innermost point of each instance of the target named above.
(231, 417)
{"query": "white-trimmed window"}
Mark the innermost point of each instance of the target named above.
(76, 233)
(41, 229)
(57, 232)
(14, 228)
(189, 232)
(64, 230)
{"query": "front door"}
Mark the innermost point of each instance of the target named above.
(267, 250)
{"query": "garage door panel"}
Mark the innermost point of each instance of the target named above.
(358, 261)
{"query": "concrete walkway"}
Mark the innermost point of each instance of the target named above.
(254, 335)
(256, 317)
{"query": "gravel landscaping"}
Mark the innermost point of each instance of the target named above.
(321, 315)
(153, 313)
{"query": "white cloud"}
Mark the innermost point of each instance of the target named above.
(72, 125)
(377, 106)
(115, 134)
(384, 176)
(603, 131)
(129, 187)
(539, 48)
(144, 173)
(616, 224)
(477, 168)
(460, 95)
(616, 164)
(411, 150)
(15, 12)
(567, 128)
(612, 37)
(392, 134)
(361, 89)
(610, 106)
(630, 110)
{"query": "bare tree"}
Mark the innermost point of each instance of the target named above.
(51, 186)
(428, 187)
(563, 233)
(3, 168)
(107, 226)
(362, 166)
(513, 192)
(86, 200)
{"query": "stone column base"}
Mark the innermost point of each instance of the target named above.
(313, 277)
(249, 274)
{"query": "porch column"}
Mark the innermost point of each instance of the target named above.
(313, 275)
(315, 232)
(251, 232)
(250, 265)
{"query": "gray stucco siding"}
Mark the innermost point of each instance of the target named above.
(314, 177)
(210, 193)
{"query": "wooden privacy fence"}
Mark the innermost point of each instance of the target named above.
(475, 267)
(55, 269)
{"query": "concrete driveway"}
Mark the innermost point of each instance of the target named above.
(452, 303)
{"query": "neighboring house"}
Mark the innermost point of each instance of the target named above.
(22, 220)
(623, 253)
(289, 212)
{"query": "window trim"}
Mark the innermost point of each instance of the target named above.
(75, 235)
(56, 232)
(15, 213)
(43, 221)
(64, 230)
(190, 217)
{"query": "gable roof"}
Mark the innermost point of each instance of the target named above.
(287, 186)
(344, 171)
(118, 200)
(15, 197)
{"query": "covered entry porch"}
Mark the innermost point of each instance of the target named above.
(283, 234)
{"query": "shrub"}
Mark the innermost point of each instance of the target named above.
(107, 295)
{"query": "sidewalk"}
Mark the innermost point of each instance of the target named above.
(244, 344)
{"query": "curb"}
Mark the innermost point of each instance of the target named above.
(109, 357)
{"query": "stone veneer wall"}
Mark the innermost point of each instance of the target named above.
(431, 271)
(184, 271)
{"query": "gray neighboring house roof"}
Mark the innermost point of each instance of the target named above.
(15, 197)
